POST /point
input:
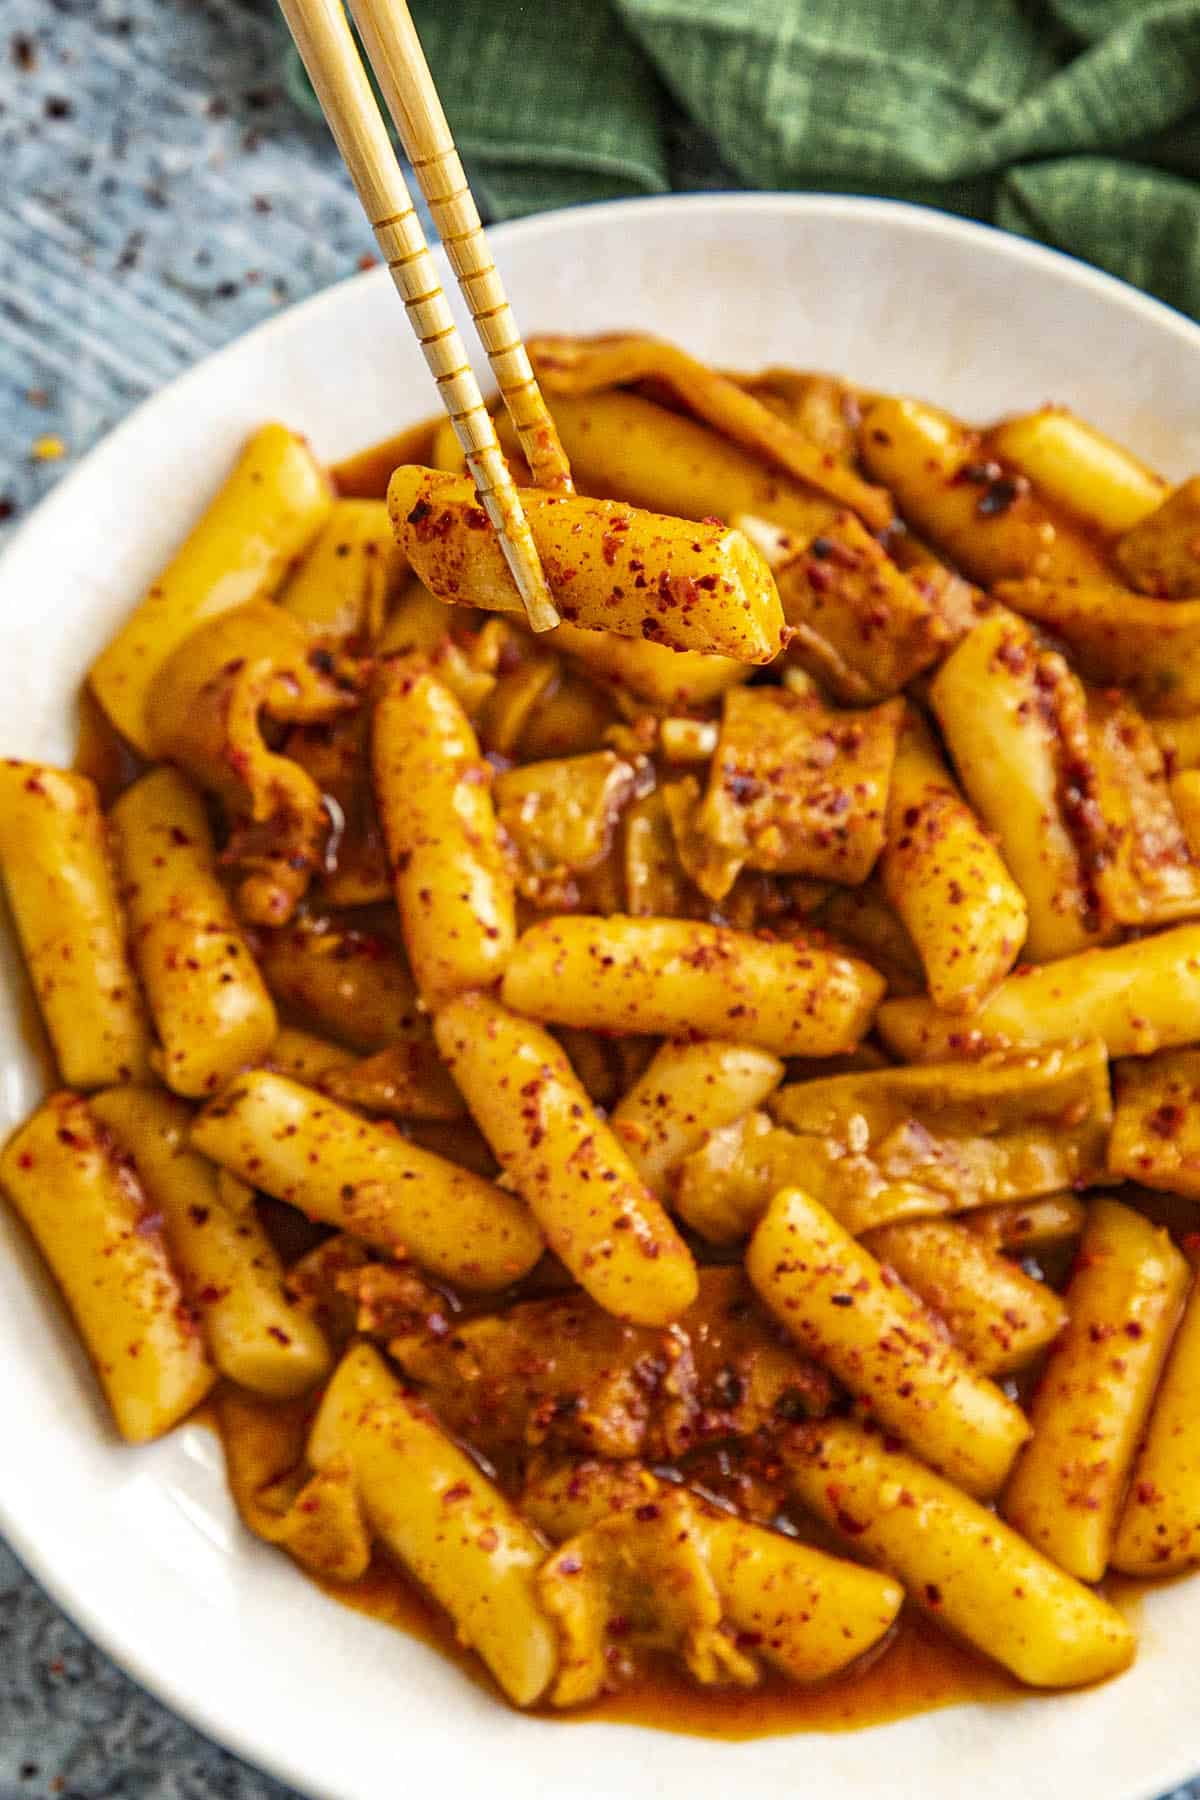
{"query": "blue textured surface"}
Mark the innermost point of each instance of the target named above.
(161, 195)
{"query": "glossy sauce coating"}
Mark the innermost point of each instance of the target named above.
(958, 1561)
(1123, 1303)
(917, 1670)
(270, 508)
(597, 1213)
(107, 1251)
(452, 884)
(946, 878)
(364, 1177)
(56, 864)
(670, 975)
(688, 585)
(209, 1003)
(852, 1314)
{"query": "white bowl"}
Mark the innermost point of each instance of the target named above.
(142, 1547)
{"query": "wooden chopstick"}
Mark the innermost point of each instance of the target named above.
(329, 53)
(394, 49)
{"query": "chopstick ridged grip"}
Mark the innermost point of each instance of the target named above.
(327, 49)
(395, 52)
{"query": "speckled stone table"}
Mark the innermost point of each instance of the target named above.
(161, 195)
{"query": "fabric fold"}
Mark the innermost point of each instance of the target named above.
(1073, 121)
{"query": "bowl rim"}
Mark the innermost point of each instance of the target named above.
(104, 1629)
(921, 219)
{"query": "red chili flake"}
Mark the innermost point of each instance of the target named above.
(677, 590)
(742, 789)
(1000, 495)
(1167, 1120)
(729, 1389)
(1012, 655)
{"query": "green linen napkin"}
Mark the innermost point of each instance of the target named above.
(1073, 121)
